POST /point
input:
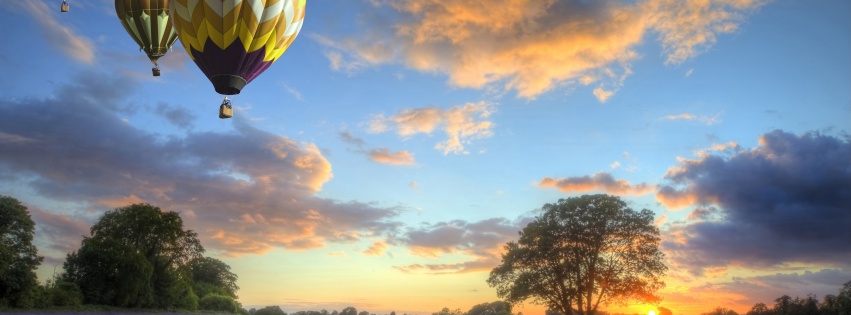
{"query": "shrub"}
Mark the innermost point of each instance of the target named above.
(213, 302)
(270, 310)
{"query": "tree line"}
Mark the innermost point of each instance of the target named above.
(839, 304)
(137, 256)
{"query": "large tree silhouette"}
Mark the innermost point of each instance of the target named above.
(581, 253)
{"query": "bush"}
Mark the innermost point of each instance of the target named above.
(213, 302)
(270, 310)
(65, 294)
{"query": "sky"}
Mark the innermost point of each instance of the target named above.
(384, 160)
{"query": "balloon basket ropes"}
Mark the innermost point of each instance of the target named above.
(64, 8)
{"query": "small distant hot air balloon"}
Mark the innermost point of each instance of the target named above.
(64, 7)
(148, 23)
(233, 41)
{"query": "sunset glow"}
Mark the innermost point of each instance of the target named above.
(384, 161)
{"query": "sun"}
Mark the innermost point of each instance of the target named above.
(651, 312)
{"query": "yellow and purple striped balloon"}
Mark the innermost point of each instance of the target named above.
(233, 41)
(148, 23)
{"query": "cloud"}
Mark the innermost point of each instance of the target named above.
(61, 36)
(533, 46)
(706, 120)
(461, 124)
(384, 156)
(253, 194)
(601, 181)
(482, 240)
(687, 28)
(783, 202)
(741, 293)
(378, 155)
(176, 115)
(377, 248)
(295, 93)
(62, 233)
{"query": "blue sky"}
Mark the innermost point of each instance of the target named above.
(385, 158)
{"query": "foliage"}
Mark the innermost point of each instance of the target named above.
(349, 311)
(581, 253)
(492, 308)
(18, 256)
(785, 305)
(270, 310)
(214, 302)
(212, 276)
(721, 311)
(131, 259)
(63, 294)
(446, 311)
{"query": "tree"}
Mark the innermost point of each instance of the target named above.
(581, 253)
(843, 300)
(212, 276)
(349, 311)
(492, 308)
(18, 256)
(721, 311)
(446, 311)
(132, 257)
(760, 309)
(270, 310)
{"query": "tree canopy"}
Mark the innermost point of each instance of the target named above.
(212, 276)
(132, 257)
(581, 253)
(18, 256)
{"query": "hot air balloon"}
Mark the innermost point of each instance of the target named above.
(64, 7)
(233, 41)
(148, 23)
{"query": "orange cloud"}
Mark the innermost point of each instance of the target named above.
(531, 46)
(461, 124)
(601, 181)
(675, 199)
(377, 248)
(383, 155)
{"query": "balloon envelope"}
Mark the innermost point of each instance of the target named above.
(233, 41)
(148, 23)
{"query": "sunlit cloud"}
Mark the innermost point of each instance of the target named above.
(385, 156)
(706, 120)
(61, 36)
(513, 44)
(791, 192)
(378, 155)
(260, 185)
(601, 181)
(482, 241)
(461, 124)
(377, 249)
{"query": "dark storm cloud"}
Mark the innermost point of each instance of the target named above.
(245, 191)
(789, 200)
